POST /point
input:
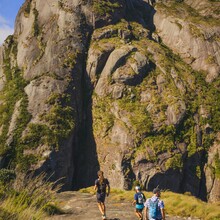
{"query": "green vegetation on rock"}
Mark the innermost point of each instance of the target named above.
(28, 8)
(105, 7)
(188, 13)
(58, 124)
(12, 148)
(102, 116)
(217, 165)
(175, 162)
(138, 116)
(35, 27)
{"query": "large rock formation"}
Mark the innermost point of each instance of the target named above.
(191, 33)
(130, 87)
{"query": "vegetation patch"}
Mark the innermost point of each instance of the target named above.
(195, 31)
(35, 27)
(138, 116)
(10, 97)
(175, 162)
(186, 12)
(70, 59)
(34, 199)
(159, 143)
(105, 7)
(217, 165)
(27, 9)
(59, 123)
(102, 116)
(61, 116)
(6, 176)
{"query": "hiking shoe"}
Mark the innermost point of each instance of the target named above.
(103, 217)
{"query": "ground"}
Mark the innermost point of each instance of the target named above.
(82, 206)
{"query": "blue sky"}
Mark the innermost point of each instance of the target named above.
(8, 12)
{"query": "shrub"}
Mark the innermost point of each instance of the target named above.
(27, 9)
(33, 199)
(6, 176)
(105, 7)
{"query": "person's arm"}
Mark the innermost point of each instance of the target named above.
(108, 190)
(134, 202)
(95, 187)
(163, 213)
(145, 213)
(145, 210)
(162, 210)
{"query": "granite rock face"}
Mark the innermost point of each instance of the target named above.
(190, 37)
(129, 87)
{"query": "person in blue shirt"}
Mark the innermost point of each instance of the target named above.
(139, 199)
(154, 207)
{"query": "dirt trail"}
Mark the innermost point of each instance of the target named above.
(82, 206)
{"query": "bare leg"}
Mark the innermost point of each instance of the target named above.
(139, 214)
(101, 209)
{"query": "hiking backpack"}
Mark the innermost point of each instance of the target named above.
(140, 199)
(153, 209)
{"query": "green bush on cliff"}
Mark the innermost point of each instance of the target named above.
(27, 9)
(35, 27)
(102, 116)
(217, 165)
(37, 134)
(159, 143)
(138, 116)
(61, 116)
(175, 162)
(10, 97)
(59, 123)
(70, 59)
(6, 176)
(105, 7)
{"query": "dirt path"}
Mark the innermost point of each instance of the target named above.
(82, 206)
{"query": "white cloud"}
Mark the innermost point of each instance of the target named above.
(3, 20)
(5, 29)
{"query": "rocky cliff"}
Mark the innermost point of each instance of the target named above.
(129, 86)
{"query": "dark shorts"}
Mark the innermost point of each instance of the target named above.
(100, 197)
(139, 210)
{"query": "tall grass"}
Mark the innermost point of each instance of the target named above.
(32, 198)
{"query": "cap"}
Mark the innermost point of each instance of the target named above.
(137, 187)
(156, 190)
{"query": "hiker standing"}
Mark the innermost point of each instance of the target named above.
(154, 207)
(139, 200)
(100, 186)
